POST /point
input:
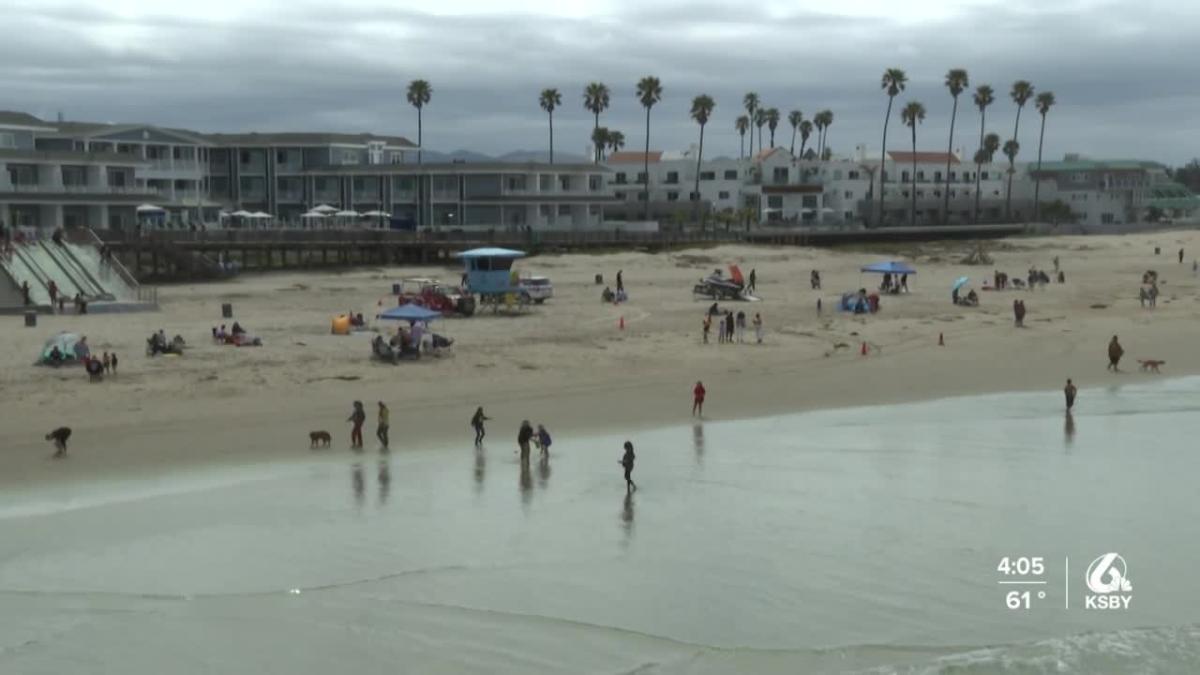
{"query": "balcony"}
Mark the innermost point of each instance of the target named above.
(27, 188)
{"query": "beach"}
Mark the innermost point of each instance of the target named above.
(569, 365)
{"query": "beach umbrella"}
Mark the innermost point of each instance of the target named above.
(150, 208)
(891, 267)
(261, 215)
(325, 208)
(242, 214)
(376, 214)
(312, 214)
(410, 313)
(346, 214)
(959, 283)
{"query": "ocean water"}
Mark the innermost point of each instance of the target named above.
(851, 541)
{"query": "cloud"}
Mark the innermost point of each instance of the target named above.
(1122, 73)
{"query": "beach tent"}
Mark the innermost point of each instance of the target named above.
(411, 313)
(890, 267)
(65, 343)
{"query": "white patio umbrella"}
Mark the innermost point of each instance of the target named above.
(346, 214)
(150, 208)
(325, 208)
(261, 215)
(242, 214)
(376, 214)
(312, 214)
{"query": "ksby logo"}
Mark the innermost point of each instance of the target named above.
(1108, 580)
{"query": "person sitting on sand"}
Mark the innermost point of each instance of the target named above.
(237, 329)
(56, 356)
(607, 296)
(714, 310)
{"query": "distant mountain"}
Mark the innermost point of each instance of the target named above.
(516, 156)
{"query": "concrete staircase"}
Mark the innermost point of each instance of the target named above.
(76, 267)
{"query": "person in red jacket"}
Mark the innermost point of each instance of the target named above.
(698, 399)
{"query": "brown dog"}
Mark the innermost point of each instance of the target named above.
(1151, 365)
(319, 439)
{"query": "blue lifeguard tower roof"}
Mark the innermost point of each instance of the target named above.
(491, 252)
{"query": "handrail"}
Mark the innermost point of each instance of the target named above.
(89, 237)
(80, 288)
(65, 258)
(39, 275)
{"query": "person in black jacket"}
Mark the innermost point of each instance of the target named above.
(523, 438)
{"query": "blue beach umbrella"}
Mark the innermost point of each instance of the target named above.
(959, 283)
(410, 313)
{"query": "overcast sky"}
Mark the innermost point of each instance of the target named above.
(1124, 72)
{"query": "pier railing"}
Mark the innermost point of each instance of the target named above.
(565, 239)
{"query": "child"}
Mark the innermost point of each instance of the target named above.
(106, 362)
(543, 440)
(627, 462)
(60, 436)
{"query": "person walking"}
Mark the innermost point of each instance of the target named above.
(729, 326)
(1115, 352)
(113, 359)
(477, 421)
(741, 326)
(524, 436)
(1180, 256)
(358, 417)
(381, 431)
(59, 436)
(627, 461)
(698, 393)
(52, 289)
(620, 280)
(25, 294)
(758, 328)
(1069, 392)
(707, 325)
(753, 280)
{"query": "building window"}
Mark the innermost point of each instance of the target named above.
(774, 201)
(641, 178)
(937, 176)
(837, 174)
(1106, 218)
(564, 209)
(904, 177)
(280, 157)
(8, 140)
(722, 195)
(952, 176)
(731, 174)
(620, 178)
(921, 176)
(848, 195)
(245, 156)
(619, 195)
(708, 175)
(595, 183)
(853, 175)
(780, 175)
(984, 175)
(672, 196)
(672, 178)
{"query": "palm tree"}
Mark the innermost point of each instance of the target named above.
(825, 118)
(549, 100)
(912, 115)
(649, 92)
(616, 140)
(760, 120)
(1021, 92)
(595, 100)
(702, 107)
(795, 117)
(893, 83)
(1045, 101)
(742, 124)
(806, 129)
(956, 82)
(984, 97)
(772, 117)
(750, 103)
(419, 93)
(987, 150)
(1011, 148)
(600, 141)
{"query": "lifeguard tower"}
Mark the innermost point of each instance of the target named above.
(491, 276)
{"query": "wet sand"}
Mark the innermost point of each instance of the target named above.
(567, 364)
(856, 540)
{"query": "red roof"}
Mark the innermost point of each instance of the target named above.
(634, 157)
(922, 157)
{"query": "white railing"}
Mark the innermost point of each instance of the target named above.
(78, 189)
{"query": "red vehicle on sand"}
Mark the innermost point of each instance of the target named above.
(432, 294)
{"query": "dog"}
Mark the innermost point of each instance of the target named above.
(1151, 365)
(319, 439)
(1017, 283)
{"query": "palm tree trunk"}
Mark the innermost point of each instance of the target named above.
(595, 128)
(1037, 182)
(420, 143)
(752, 134)
(699, 158)
(803, 142)
(760, 135)
(646, 165)
(982, 120)
(742, 146)
(883, 157)
(949, 152)
(913, 216)
(793, 149)
(551, 116)
(1011, 167)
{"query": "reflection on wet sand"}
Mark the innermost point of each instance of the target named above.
(627, 517)
(1069, 429)
(359, 482)
(698, 441)
(543, 471)
(385, 481)
(526, 484)
(480, 468)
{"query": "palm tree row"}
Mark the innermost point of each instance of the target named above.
(895, 80)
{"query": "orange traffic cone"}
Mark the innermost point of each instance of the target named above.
(941, 340)
(621, 324)
(863, 351)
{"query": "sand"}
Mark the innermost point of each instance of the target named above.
(568, 365)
